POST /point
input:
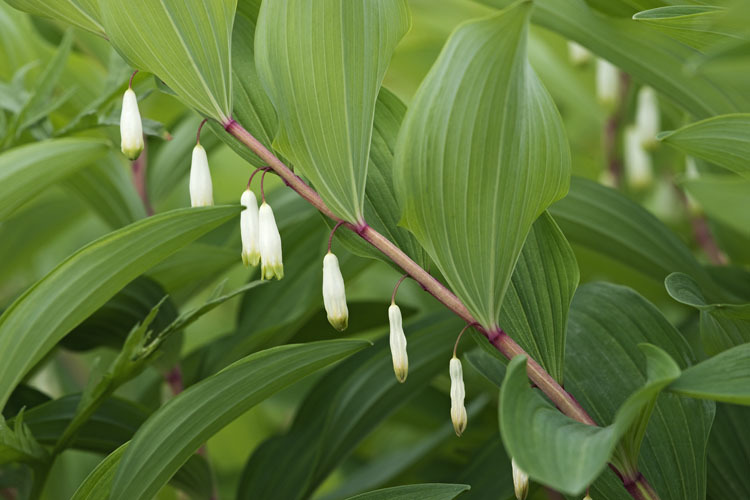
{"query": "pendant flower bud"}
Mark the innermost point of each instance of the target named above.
(520, 481)
(638, 168)
(607, 83)
(334, 294)
(647, 118)
(579, 55)
(201, 189)
(587, 497)
(398, 344)
(271, 265)
(249, 229)
(458, 393)
(131, 127)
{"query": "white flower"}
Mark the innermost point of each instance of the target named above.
(587, 497)
(578, 54)
(271, 264)
(131, 128)
(249, 229)
(398, 344)
(607, 83)
(520, 481)
(637, 160)
(458, 393)
(334, 295)
(201, 189)
(647, 118)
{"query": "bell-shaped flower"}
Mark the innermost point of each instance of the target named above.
(334, 295)
(458, 393)
(249, 229)
(271, 262)
(607, 83)
(520, 481)
(638, 168)
(201, 189)
(131, 127)
(647, 118)
(578, 54)
(398, 344)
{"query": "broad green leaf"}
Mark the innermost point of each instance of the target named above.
(28, 170)
(177, 429)
(81, 13)
(649, 56)
(603, 367)
(337, 416)
(694, 25)
(488, 473)
(382, 209)
(722, 325)
(107, 187)
(81, 284)
(324, 91)
(604, 220)
(252, 107)
(723, 140)
(17, 444)
(481, 153)
(194, 477)
(111, 425)
(723, 197)
(724, 377)
(416, 492)
(535, 310)
(561, 452)
(186, 43)
(728, 450)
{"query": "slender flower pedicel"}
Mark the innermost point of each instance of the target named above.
(249, 229)
(578, 54)
(458, 393)
(334, 294)
(638, 168)
(398, 344)
(520, 481)
(201, 189)
(271, 262)
(647, 118)
(607, 83)
(131, 127)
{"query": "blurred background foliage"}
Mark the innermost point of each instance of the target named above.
(409, 442)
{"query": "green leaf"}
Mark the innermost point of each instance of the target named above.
(416, 492)
(647, 55)
(81, 13)
(603, 367)
(724, 377)
(604, 220)
(561, 452)
(178, 428)
(481, 123)
(169, 38)
(382, 209)
(28, 170)
(336, 416)
(694, 25)
(723, 197)
(723, 140)
(18, 444)
(111, 425)
(722, 326)
(324, 91)
(728, 449)
(81, 284)
(535, 310)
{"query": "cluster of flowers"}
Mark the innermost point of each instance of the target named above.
(261, 243)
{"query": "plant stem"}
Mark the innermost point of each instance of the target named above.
(497, 337)
(640, 489)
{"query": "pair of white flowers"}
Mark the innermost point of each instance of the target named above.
(261, 241)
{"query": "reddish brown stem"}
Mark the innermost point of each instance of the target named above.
(611, 133)
(502, 342)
